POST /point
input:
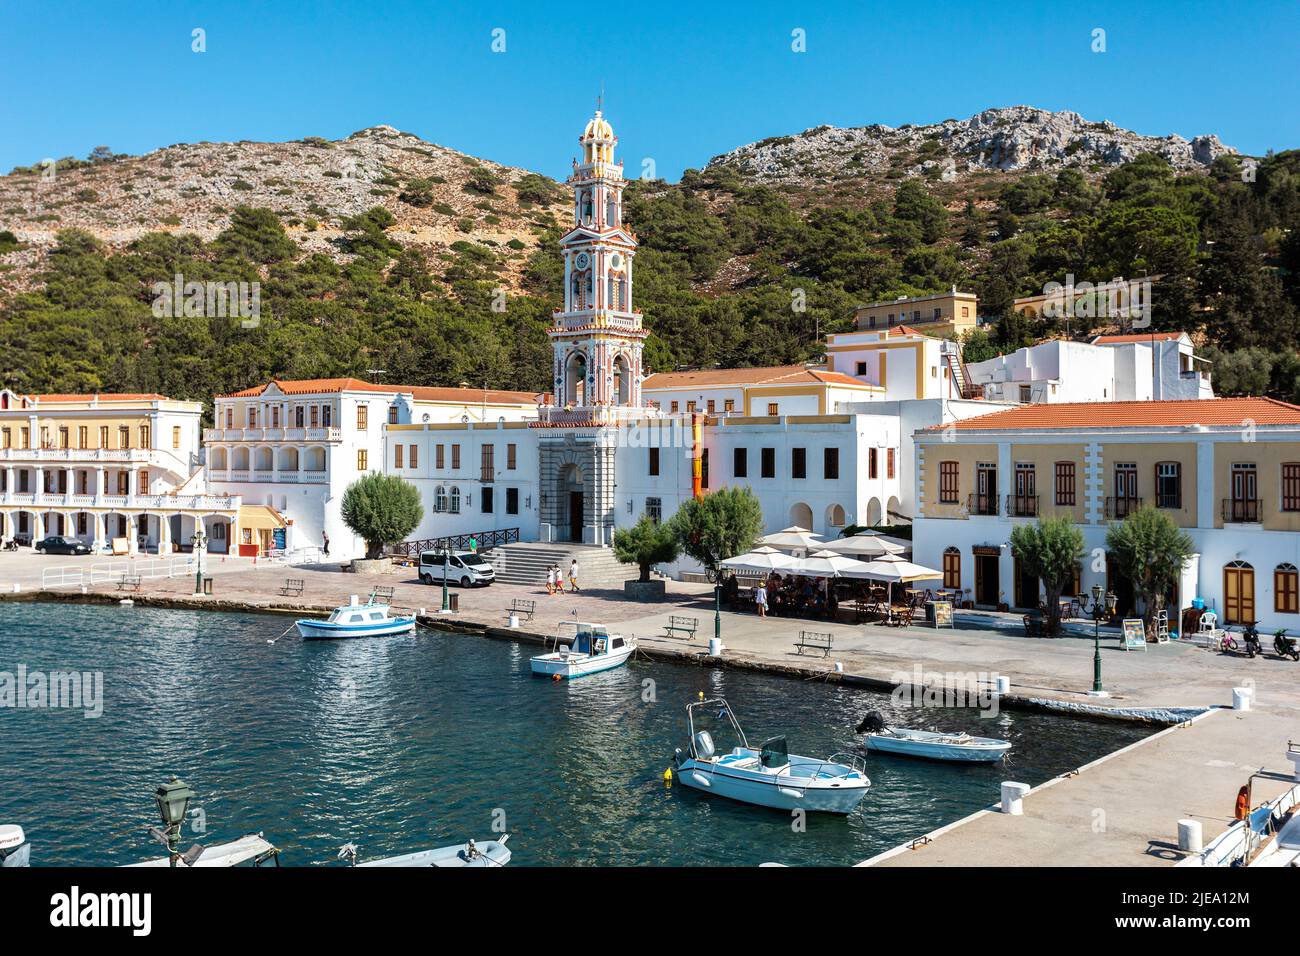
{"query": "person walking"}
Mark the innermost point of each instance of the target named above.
(325, 543)
(550, 580)
(760, 599)
(573, 576)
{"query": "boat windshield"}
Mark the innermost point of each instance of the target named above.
(775, 752)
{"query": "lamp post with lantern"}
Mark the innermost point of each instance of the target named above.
(173, 799)
(1102, 606)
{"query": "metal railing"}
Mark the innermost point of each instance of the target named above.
(1022, 506)
(979, 504)
(70, 575)
(1120, 508)
(1241, 510)
(483, 540)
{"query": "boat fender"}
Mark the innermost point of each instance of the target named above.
(786, 791)
(1242, 810)
(702, 780)
(668, 775)
(556, 677)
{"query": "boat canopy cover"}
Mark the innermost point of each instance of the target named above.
(775, 752)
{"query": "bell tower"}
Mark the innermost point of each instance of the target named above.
(597, 337)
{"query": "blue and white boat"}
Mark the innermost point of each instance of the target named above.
(489, 853)
(959, 747)
(768, 775)
(591, 650)
(357, 620)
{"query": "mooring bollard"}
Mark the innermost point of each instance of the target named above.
(715, 647)
(514, 620)
(1013, 795)
(839, 667)
(1189, 836)
(1241, 698)
(1001, 684)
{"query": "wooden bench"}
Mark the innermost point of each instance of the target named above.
(129, 582)
(292, 586)
(523, 608)
(817, 640)
(683, 625)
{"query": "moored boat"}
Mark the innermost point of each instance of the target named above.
(357, 620)
(592, 650)
(469, 853)
(768, 775)
(961, 747)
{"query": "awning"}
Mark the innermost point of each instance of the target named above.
(260, 516)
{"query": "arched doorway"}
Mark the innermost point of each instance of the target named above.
(1238, 593)
(622, 380)
(873, 512)
(573, 502)
(801, 515)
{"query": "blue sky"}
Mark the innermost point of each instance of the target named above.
(682, 82)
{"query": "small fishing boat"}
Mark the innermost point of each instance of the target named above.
(252, 848)
(487, 853)
(931, 745)
(769, 775)
(357, 620)
(590, 650)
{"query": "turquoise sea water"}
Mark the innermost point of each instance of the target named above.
(399, 744)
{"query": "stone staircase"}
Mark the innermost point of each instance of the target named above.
(526, 563)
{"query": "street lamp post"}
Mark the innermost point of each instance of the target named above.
(1103, 604)
(173, 799)
(446, 559)
(199, 541)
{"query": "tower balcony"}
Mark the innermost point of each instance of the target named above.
(592, 319)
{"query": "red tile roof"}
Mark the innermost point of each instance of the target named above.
(1137, 337)
(1228, 412)
(722, 377)
(421, 393)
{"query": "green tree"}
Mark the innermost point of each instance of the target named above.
(646, 543)
(718, 526)
(1049, 550)
(1150, 551)
(257, 235)
(381, 510)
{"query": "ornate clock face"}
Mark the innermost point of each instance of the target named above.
(581, 260)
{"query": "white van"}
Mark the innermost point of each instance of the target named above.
(465, 568)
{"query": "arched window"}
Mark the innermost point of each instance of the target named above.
(455, 500)
(1286, 589)
(440, 499)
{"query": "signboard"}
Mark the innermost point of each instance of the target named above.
(277, 538)
(942, 613)
(1135, 635)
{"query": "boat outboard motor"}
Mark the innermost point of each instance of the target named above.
(14, 848)
(873, 723)
(703, 745)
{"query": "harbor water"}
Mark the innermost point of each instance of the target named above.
(400, 744)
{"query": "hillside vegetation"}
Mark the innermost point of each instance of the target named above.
(736, 267)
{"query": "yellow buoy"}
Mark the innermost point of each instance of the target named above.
(701, 695)
(668, 775)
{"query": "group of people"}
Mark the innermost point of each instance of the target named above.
(795, 594)
(555, 578)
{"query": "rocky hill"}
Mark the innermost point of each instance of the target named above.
(438, 196)
(1008, 139)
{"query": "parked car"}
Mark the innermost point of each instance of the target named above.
(465, 568)
(58, 544)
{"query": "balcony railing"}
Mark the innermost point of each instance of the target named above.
(324, 434)
(1119, 508)
(982, 504)
(1022, 506)
(1241, 510)
(56, 501)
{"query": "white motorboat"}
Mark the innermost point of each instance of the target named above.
(251, 848)
(357, 620)
(769, 775)
(487, 853)
(929, 744)
(590, 650)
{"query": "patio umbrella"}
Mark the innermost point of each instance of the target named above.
(892, 568)
(825, 564)
(760, 561)
(793, 538)
(868, 544)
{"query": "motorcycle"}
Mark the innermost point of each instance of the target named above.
(9, 544)
(1250, 637)
(1284, 646)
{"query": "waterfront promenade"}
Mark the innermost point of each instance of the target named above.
(1140, 794)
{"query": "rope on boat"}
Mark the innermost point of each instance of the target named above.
(282, 633)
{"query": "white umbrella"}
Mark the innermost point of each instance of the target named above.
(760, 561)
(793, 538)
(867, 544)
(891, 567)
(825, 564)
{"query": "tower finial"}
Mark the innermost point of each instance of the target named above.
(600, 98)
